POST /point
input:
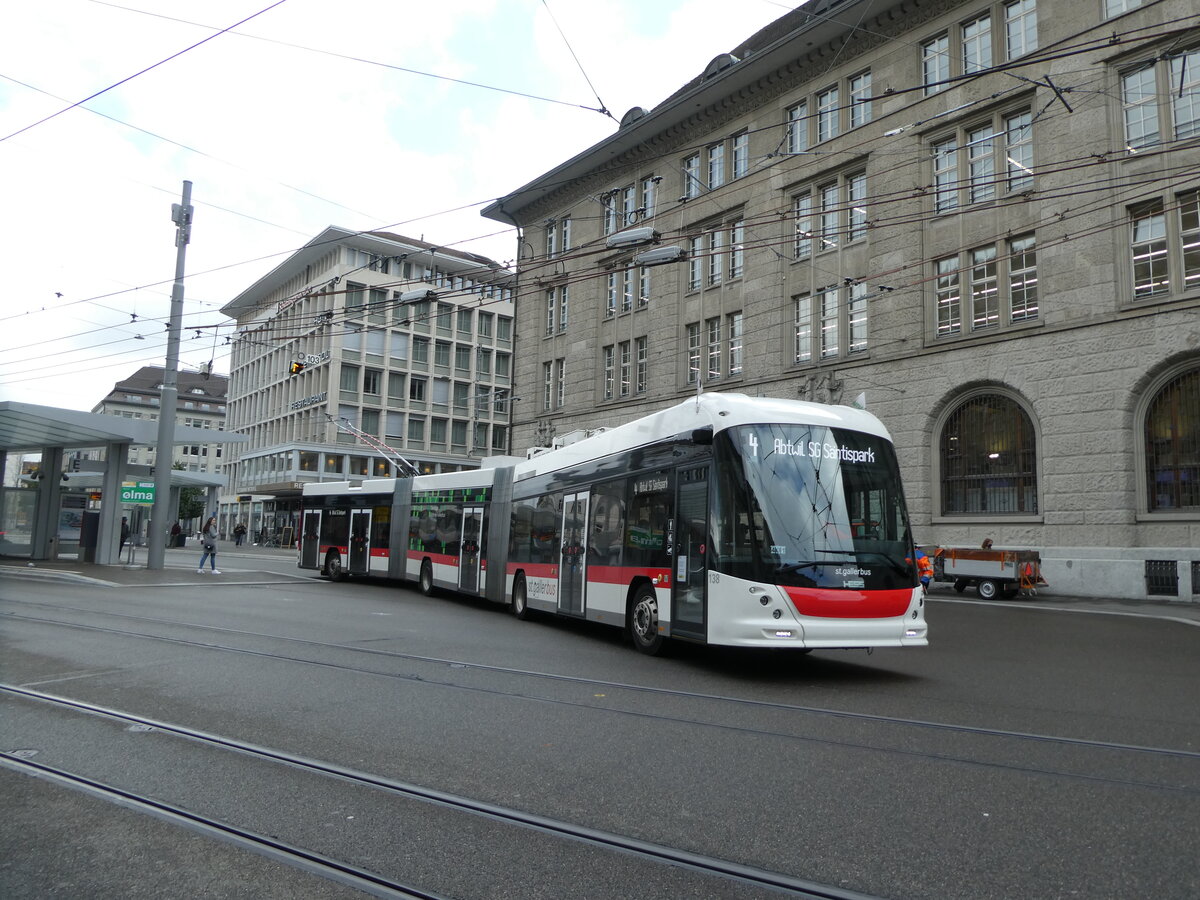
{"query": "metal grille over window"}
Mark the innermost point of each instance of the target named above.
(989, 458)
(1162, 578)
(1173, 445)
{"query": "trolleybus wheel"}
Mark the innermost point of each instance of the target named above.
(333, 567)
(520, 600)
(987, 589)
(426, 581)
(643, 621)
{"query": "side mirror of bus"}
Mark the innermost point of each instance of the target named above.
(703, 436)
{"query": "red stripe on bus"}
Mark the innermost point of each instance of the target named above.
(441, 559)
(830, 604)
(596, 574)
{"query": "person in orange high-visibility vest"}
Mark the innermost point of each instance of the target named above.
(924, 567)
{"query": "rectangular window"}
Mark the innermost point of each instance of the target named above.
(715, 257)
(551, 309)
(829, 323)
(985, 299)
(734, 327)
(856, 202)
(458, 435)
(737, 236)
(349, 378)
(354, 298)
(804, 326)
(949, 297)
(464, 322)
(1020, 27)
(640, 365)
(693, 352)
(695, 262)
(547, 386)
(625, 367)
(977, 45)
(416, 389)
(609, 371)
(935, 64)
(1022, 278)
(483, 361)
(561, 387)
(563, 304)
(610, 212)
(797, 128)
(856, 318)
(564, 234)
(981, 164)
(827, 114)
(802, 212)
(650, 196)
(1149, 251)
(829, 216)
(860, 99)
(714, 348)
(441, 354)
(741, 154)
(396, 386)
(1140, 103)
(551, 240)
(627, 287)
(1184, 84)
(462, 397)
(462, 357)
(372, 381)
(485, 324)
(691, 176)
(416, 431)
(1117, 7)
(643, 287)
(628, 206)
(1189, 231)
(610, 306)
(1018, 137)
(420, 351)
(716, 166)
(437, 432)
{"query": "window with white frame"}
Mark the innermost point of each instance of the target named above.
(650, 196)
(1165, 246)
(830, 324)
(797, 127)
(827, 114)
(988, 287)
(733, 327)
(609, 371)
(839, 217)
(564, 302)
(695, 263)
(611, 290)
(716, 166)
(713, 329)
(693, 352)
(716, 256)
(625, 363)
(977, 44)
(802, 214)
(860, 99)
(551, 310)
(741, 154)
(803, 325)
(547, 386)
(996, 155)
(692, 185)
(737, 238)
(641, 363)
(1160, 99)
(1117, 7)
(935, 64)
(1020, 28)
(561, 386)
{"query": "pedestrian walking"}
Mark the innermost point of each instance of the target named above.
(124, 535)
(208, 539)
(239, 533)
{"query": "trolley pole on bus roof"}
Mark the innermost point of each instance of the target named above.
(164, 455)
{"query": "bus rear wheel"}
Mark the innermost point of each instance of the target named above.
(643, 622)
(333, 567)
(425, 583)
(520, 599)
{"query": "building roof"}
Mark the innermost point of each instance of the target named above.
(783, 44)
(383, 243)
(191, 385)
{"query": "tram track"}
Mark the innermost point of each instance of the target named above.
(357, 876)
(968, 731)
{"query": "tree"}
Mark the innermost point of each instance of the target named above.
(191, 500)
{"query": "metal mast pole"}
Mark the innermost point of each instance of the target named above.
(164, 455)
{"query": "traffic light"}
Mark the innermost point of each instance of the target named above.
(296, 368)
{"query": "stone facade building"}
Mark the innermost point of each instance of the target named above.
(359, 356)
(978, 219)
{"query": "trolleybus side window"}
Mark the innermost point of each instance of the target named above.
(335, 527)
(649, 519)
(381, 520)
(608, 523)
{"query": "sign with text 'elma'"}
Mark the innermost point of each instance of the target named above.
(139, 492)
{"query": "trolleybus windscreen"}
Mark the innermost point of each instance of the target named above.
(810, 506)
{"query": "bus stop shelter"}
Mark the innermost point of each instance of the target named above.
(28, 428)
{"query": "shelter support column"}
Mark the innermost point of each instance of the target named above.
(44, 539)
(108, 541)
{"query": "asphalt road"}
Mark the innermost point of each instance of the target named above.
(1026, 752)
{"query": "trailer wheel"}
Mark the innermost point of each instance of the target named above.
(960, 584)
(520, 599)
(643, 622)
(987, 589)
(425, 583)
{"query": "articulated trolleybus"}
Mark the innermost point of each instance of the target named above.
(727, 520)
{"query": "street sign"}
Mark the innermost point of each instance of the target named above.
(138, 492)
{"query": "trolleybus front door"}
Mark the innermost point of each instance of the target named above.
(573, 562)
(360, 542)
(469, 553)
(310, 540)
(689, 597)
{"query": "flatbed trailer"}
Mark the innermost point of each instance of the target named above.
(992, 572)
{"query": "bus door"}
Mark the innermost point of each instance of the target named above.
(360, 542)
(469, 555)
(573, 563)
(689, 593)
(310, 540)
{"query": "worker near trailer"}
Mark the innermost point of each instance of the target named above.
(924, 567)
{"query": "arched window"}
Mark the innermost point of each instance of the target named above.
(1173, 445)
(989, 458)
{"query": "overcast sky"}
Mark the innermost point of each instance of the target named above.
(281, 135)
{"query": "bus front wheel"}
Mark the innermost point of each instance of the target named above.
(426, 581)
(520, 599)
(643, 622)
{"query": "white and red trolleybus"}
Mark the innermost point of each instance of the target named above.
(727, 519)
